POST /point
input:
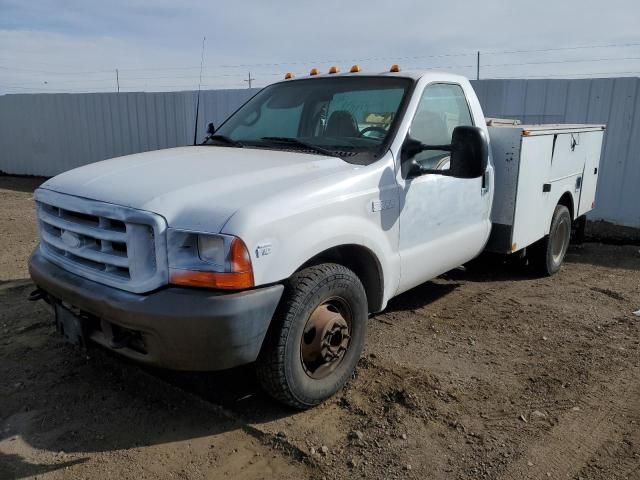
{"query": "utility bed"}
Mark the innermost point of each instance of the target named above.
(535, 165)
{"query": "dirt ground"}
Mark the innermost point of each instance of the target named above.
(483, 373)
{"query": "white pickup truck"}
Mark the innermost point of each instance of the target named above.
(315, 203)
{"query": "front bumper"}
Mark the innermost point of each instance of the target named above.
(179, 328)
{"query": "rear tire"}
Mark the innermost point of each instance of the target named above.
(316, 337)
(548, 253)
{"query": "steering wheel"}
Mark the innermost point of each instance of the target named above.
(381, 130)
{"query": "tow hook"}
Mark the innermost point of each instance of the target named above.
(37, 294)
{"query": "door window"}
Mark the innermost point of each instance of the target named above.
(442, 108)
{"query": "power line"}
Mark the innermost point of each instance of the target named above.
(191, 87)
(430, 67)
(48, 72)
(579, 47)
(125, 79)
(160, 88)
(131, 89)
(549, 62)
(238, 76)
(443, 55)
(312, 62)
(524, 77)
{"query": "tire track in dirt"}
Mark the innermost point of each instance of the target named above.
(604, 414)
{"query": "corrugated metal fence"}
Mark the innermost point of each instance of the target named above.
(45, 134)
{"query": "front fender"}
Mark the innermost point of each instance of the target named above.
(285, 254)
(284, 232)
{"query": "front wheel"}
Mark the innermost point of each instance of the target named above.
(316, 336)
(548, 254)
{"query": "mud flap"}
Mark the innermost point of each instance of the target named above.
(69, 325)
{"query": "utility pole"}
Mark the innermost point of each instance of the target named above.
(478, 67)
(250, 79)
(118, 80)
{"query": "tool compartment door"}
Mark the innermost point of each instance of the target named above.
(530, 219)
(592, 147)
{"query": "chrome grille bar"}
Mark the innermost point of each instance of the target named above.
(111, 244)
(64, 224)
(89, 252)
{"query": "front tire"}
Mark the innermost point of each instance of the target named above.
(316, 337)
(548, 254)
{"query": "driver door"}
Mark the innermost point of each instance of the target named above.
(444, 221)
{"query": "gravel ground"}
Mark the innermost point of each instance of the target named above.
(486, 372)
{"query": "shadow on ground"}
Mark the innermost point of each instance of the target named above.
(12, 465)
(420, 296)
(20, 184)
(625, 257)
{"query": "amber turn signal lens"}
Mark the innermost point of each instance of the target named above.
(239, 277)
(239, 258)
(334, 69)
(314, 71)
(224, 281)
(395, 68)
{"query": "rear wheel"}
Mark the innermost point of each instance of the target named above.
(548, 254)
(316, 336)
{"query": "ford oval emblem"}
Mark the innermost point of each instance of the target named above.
(71, 239)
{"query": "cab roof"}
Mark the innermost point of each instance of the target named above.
(412, 74)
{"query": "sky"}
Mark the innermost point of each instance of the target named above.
(77, 45)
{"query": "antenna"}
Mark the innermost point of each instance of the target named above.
(250, 79)
(118, 80)
(195, 129)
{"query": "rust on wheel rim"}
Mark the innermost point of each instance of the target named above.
(326, 338)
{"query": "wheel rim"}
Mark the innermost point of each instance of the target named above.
(560, 240)
(326, 338)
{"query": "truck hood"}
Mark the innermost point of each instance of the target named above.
(195, 188)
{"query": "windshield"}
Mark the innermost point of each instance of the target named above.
(349, 117)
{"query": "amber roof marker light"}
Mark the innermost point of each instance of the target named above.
(395, 68)
(355, 68)
(334, 69)
(288, 76)
(314, 71)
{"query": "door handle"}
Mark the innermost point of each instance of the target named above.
(485, 183)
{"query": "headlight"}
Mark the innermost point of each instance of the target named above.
(211, 249)
(205, 260)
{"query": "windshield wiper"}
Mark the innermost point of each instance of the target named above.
(300, 143)
(224, 139)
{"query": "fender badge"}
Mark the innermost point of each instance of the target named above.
(263, 250)
(379, 205)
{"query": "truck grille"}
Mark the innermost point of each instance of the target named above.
(114, 245)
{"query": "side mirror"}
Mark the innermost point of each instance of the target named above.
(469, 154)
(210, 129)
